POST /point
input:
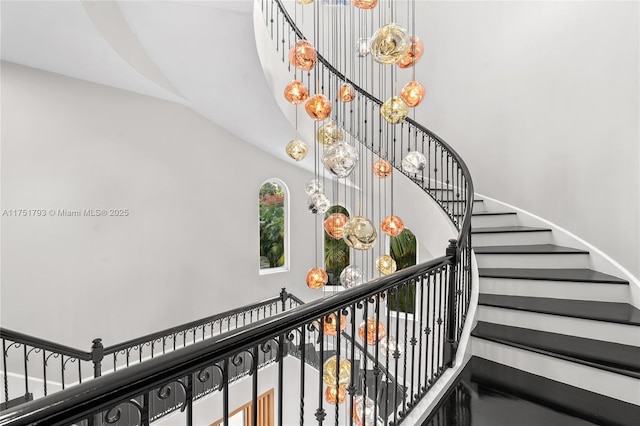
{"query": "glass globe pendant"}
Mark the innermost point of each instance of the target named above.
(317, 278)
(318, 203)
(318, 107)
(295, 92)
(367, 331)
(363, 411)
(363, 47)
(304, 2)
(329, 133)
(359, 233)
(414, 162)
(386, 265)
(296, 150)
(414, 53)
(382, 168)
(312, 186)
(365, 4)
(333, 374)
(389, 347)
(334, 224)
(335, 395)
(351, 276)
(346, 93)
(412, 93)
(394, 110)
(389, 44)
(302, 55)
(392, 226)
(331, 324)
(340, 159)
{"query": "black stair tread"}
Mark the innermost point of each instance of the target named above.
(503, 229)
(621, 313)
(528, 249)
(572, 275)
(603, 410)
(616, 357)
(494, 213)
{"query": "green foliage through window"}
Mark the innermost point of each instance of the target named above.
(336, 252)
(272, 224)
(404, 252)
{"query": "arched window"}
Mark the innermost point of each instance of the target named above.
(274, 226)
(404, 250)
(336, 251)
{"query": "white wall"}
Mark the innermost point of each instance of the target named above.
(189, 246)
(541, 99)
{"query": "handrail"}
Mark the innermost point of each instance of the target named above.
(97, 395)
(48, 345)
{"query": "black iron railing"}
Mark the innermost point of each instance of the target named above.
(33, 367)
(390, 359)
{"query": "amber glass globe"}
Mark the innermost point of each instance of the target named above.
(359, 233)
(389, 44)
(296, 150)
(296, 92)
(346, 93)
(416, 49)
(302, 55)
(392, 225)
(365, 4)
(317, 278)
(386, 265)
(335, 395)
(367, 331)
(382, 168)
(330, 133)
(331, 324)
(334, 224)
(412, 94)
(318, 107)
(394, 110)
(333, 374)
(304, 2)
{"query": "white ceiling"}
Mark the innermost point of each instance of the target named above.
(201, 54)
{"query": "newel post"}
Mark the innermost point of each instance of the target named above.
(97, 354)
(283, 297)
(452, 344)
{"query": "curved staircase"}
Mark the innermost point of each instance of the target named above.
(550, 327)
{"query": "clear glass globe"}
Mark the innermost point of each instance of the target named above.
(362, 47)
(351, 276)
(312, 186)
(318, 203)
(340, 159)
(414, 162)
(389, 346)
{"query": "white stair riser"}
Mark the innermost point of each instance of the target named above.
(580, 260)
(598, 330)
(575, 374)
(618, 293)
(490, 220)
(511, 238)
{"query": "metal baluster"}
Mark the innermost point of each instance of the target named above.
(4, 376)
(189, 398)
(303, 349)
(26, 371)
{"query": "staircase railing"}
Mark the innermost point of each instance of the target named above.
(380, 378)
(34, 367)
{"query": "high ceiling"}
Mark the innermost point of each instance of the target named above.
(200, 54)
